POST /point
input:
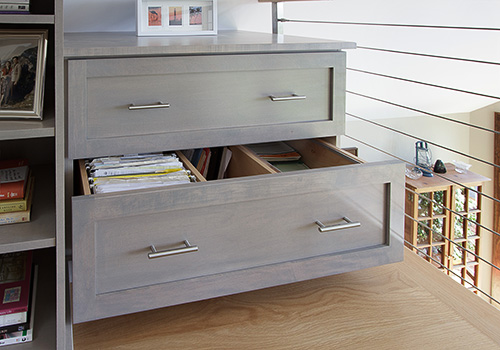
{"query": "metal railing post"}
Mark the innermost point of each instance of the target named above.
(277, 14)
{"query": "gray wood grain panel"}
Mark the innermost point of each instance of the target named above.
(12, 130)
(203, 101)
(212, 98)
(232, 236)
(82, 45)
(239, 224)
(27, 18)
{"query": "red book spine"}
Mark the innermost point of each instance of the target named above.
(14, 310)
(12, 190)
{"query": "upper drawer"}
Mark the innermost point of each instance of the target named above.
(206, 101)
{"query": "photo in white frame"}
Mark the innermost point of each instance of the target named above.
(181, 17)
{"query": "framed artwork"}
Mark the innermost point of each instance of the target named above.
(181, 17)
(23, 55)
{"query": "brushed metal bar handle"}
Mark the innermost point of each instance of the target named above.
(348, 224)
(160, 254)
(133, 107)
(292, 97)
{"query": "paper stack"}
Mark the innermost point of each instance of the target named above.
(131, 172)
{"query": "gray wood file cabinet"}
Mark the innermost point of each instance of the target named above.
(258, 227)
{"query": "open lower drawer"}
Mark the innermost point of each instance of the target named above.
(255, 229)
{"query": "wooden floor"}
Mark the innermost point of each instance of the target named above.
(408, 305)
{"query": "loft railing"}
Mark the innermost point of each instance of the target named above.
(366, 92)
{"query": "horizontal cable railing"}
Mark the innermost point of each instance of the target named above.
(429, 55)
(431, 85)
(435, 174)
(421, 112)
(450, 240)
(388, 24)
(457, 214)
(420, 138)
(452, 272)
(448, 211)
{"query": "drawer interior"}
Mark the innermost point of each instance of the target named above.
(242, 161)
(319, 153)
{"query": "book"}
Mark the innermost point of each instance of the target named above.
(18, 327)
(10, 205)
(204, 161)
(275, 151)
(15, 285)
(13, 178)
(224, 162)
(15, 327)
(188, 153)
(25, 335)
(213, 166)
(289, 166)
(19, 216)
(14, 6)
(195, 157)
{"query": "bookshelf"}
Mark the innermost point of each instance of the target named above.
(39, 233)
(36, 140)
(28, 129)
(27, 19)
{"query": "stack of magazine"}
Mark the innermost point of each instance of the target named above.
(280, 155)
(131, 172)
(18, 282)
(16, 191)
(14, 6)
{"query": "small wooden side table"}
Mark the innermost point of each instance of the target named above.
(439, 234)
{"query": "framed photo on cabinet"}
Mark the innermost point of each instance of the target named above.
(180, 17)
(23, 55)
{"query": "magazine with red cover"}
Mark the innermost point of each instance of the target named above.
(25, 334)
(15, 279)
(13, 178)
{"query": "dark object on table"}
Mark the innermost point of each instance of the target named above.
(439, 167)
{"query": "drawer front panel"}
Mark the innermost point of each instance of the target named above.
(232, 236)
(237, 224)
(231, 99)
(206, 99)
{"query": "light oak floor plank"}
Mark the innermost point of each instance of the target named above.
(408, 305)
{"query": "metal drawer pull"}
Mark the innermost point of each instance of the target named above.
(187, 249)
(348, 224)
(133, 107)
(293, 97)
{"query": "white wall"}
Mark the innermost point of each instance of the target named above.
(119, 15)
(483, 144)
(433, 130)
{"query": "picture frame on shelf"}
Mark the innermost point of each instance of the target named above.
(176, 17)
(23, 55)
